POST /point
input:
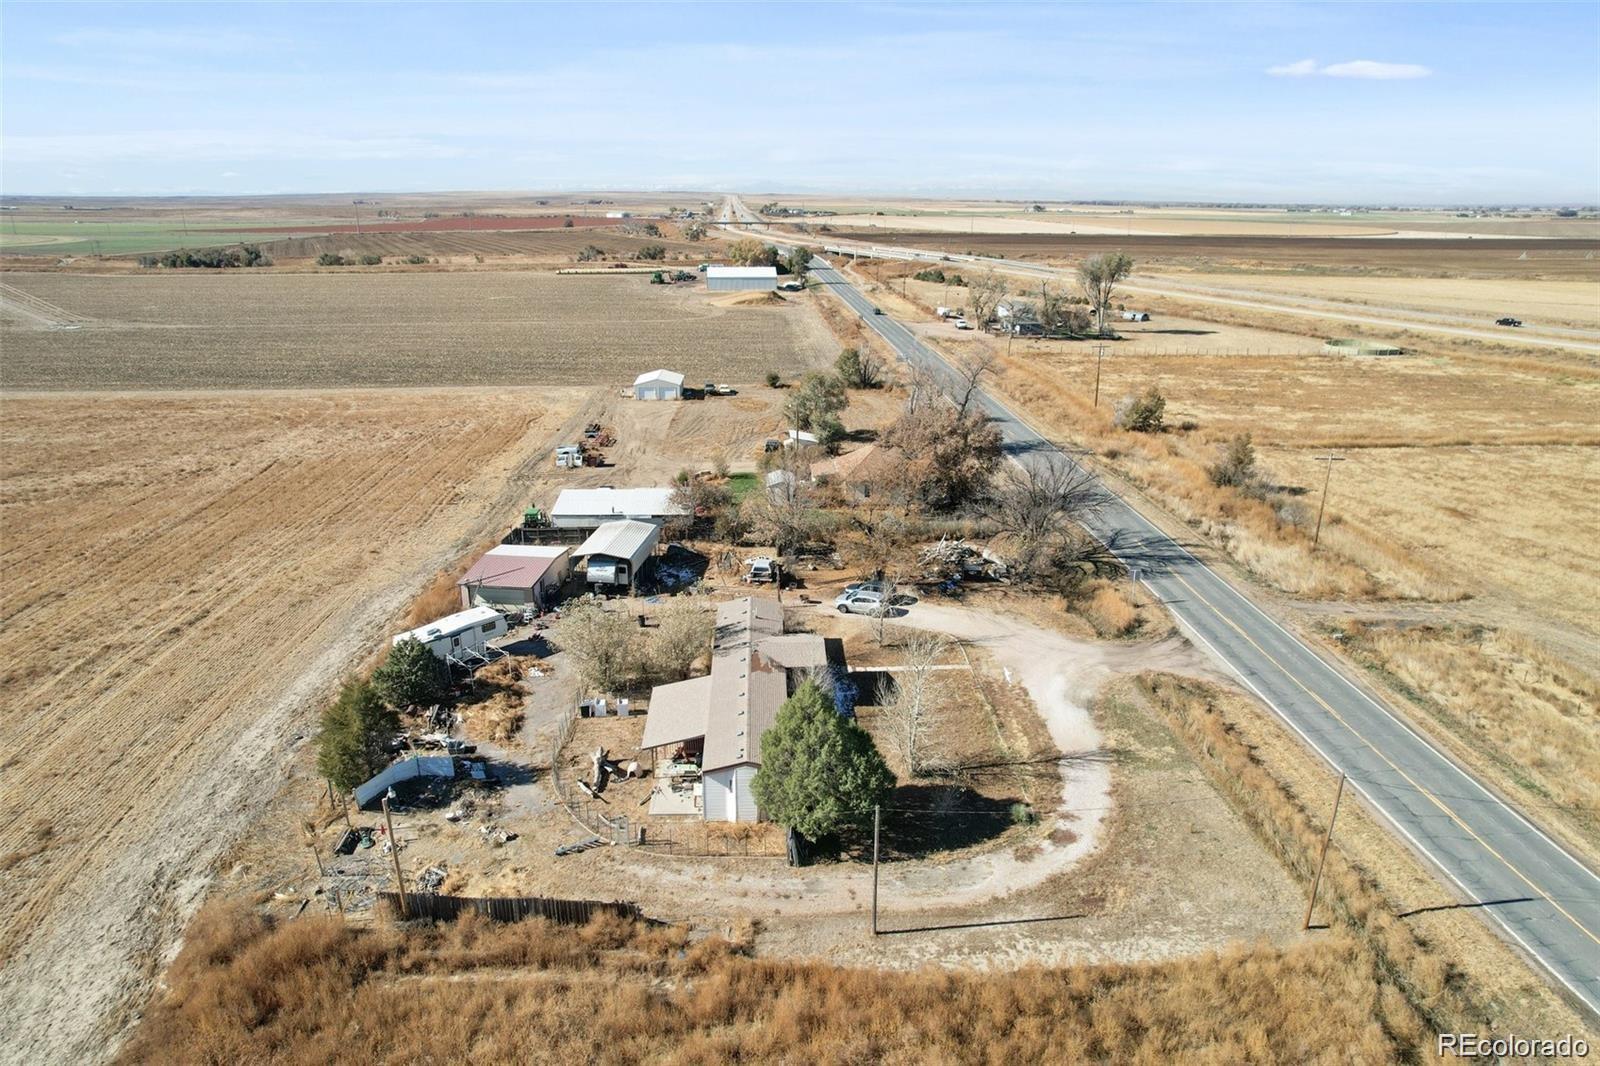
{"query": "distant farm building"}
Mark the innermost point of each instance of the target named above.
(589, 508)
(712, 726)
(617, 552)
(741, 279)
(658, 385)
(516, 575)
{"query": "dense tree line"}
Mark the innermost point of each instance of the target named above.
(245, 255)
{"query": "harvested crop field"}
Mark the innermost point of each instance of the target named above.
(1421, 257)
(561, 245)
(239, 330)
(453, 223)
(184, 577)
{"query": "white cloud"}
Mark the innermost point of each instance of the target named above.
(1369, 69)
(1304, 68)
(92, 149)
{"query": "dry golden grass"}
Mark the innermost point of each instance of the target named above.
(1281, 820)
(1532, 716)
(316, 990)
(1110, 610)
(1272, 542)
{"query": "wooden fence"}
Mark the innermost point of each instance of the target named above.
(507, 908)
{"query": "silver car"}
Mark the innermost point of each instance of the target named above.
(860, 602)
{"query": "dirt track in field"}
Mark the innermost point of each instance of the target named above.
(183, 578)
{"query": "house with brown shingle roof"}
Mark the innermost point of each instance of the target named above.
(755, 667)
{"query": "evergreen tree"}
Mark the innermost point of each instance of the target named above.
(356, 729)
(819, 769)
(411, 676)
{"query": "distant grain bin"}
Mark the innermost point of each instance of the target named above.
(1351, 346)
(741, 279)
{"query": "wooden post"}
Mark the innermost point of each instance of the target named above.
(875, 813)
(1099, 355)
(394, 853)
(317, 855)
(1316, 538)
(1323, 858)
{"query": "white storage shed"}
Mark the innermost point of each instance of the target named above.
(741, 279)
(461, 638)
(658, 385)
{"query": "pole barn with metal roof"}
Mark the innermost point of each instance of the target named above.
(741, 279)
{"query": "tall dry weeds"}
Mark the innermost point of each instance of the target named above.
(1435, 996)
(314, 990)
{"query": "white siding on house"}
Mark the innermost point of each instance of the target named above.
(718, 789)
(728, 795)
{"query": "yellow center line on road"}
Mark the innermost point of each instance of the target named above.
(1356, 733)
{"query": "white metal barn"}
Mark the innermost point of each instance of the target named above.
(658, 385)
(461, 639)
(741, 279)
(618, 550)
(517, 575)
(590, 508)
(755, 666)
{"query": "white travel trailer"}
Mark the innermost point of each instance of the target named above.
(460, 639)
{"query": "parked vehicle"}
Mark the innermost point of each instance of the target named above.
(868, 603)
(879, 587)
(962, 323)
(762, 570)
(1508, 321)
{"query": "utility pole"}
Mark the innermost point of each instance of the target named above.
(876, 810)
(1099, 357)
(1316, 538)
(394, 853)
(1323, 858)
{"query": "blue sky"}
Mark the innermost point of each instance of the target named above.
(1435, 103)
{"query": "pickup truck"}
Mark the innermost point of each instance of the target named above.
(1508, 321)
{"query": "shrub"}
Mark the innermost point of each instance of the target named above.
(1237, 465)
(773, 380)
(330, 259)
(1145, 413)
(370, 260)
(590, 253)
(859, 370)
(1023, 814)
(416, 260)
(653, 251)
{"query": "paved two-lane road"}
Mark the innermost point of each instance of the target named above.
(1543, 898)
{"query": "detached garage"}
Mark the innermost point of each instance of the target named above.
(658, 385)
(516, 575)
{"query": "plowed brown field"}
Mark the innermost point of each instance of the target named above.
(242, 330)
(182, 577)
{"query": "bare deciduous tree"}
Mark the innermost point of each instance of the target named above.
(682, 634)
(969, 371)
(1099, 275)
(915, 697)
(983, 293)
(603, 646)
(1039, 504)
